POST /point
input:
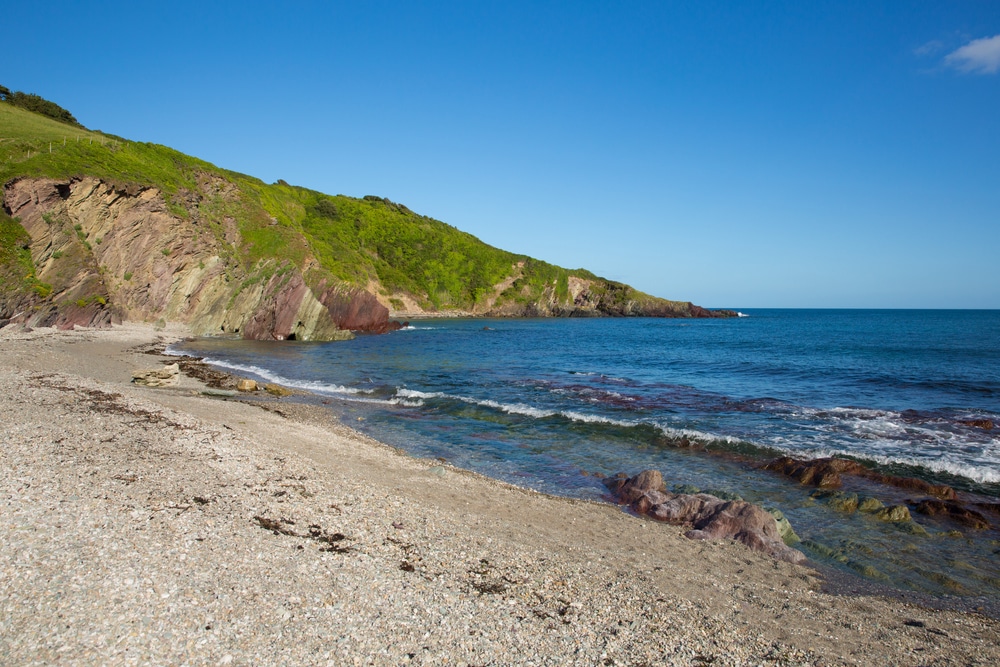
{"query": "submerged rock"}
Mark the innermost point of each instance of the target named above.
(953, 510)
(710, 517)
(870, 505)
(785, 530)
(842, 502)
(894, 513)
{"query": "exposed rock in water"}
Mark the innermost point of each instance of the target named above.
(985, 424)
(826, 473)
(709, 517)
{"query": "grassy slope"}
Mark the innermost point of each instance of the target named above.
(354, 240)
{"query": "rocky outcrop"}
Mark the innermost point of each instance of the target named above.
(113, 252)
(826, 473)
(357, 310)
(708, 516)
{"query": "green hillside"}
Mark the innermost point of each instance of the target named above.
(363, 242)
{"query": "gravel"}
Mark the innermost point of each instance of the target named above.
(158, 526)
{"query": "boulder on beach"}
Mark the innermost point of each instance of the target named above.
(246, 384)
(710, 517)
(167, 376)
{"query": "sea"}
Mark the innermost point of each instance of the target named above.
(556, 405)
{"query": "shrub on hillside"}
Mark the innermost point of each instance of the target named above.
(38, 105)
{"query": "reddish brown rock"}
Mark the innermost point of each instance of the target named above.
(912, 483)
(956, 511)
(823, 473)
(357, 310)
(985, 424)
(685, 508)
(989, 507)
(749, 524)
(826, 474)
(632, 488)
(275, 316)
(710, 517)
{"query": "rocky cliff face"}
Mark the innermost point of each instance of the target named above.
(113, 253)
(105, 252)
(586, 298)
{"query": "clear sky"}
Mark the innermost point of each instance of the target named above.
(756, 154)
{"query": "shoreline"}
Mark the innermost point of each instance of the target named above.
(317, 544)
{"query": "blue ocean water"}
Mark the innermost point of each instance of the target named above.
(554, 404)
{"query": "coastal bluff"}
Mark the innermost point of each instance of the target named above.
(96, 229)
(108, 253)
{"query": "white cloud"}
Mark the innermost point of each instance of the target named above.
(929, 49)
(980, 56)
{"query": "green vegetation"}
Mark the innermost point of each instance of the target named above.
(356, 241)
(38, 105)
(17, 271)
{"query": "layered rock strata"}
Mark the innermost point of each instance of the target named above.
(113, 253)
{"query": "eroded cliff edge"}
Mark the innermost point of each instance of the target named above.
(106, 252)
(103, 252)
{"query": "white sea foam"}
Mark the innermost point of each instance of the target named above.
(306, 385)
(987, 473)
(692, 434)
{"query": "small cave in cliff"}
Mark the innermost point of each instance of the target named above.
(63, 190)
(291, 336)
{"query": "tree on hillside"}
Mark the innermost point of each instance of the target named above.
(38, 104)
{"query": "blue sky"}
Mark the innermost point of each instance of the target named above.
(759, 155)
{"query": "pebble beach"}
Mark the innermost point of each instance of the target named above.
(156, 526)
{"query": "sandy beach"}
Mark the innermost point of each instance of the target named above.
(163, 526)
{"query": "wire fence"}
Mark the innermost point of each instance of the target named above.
(36, 147)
